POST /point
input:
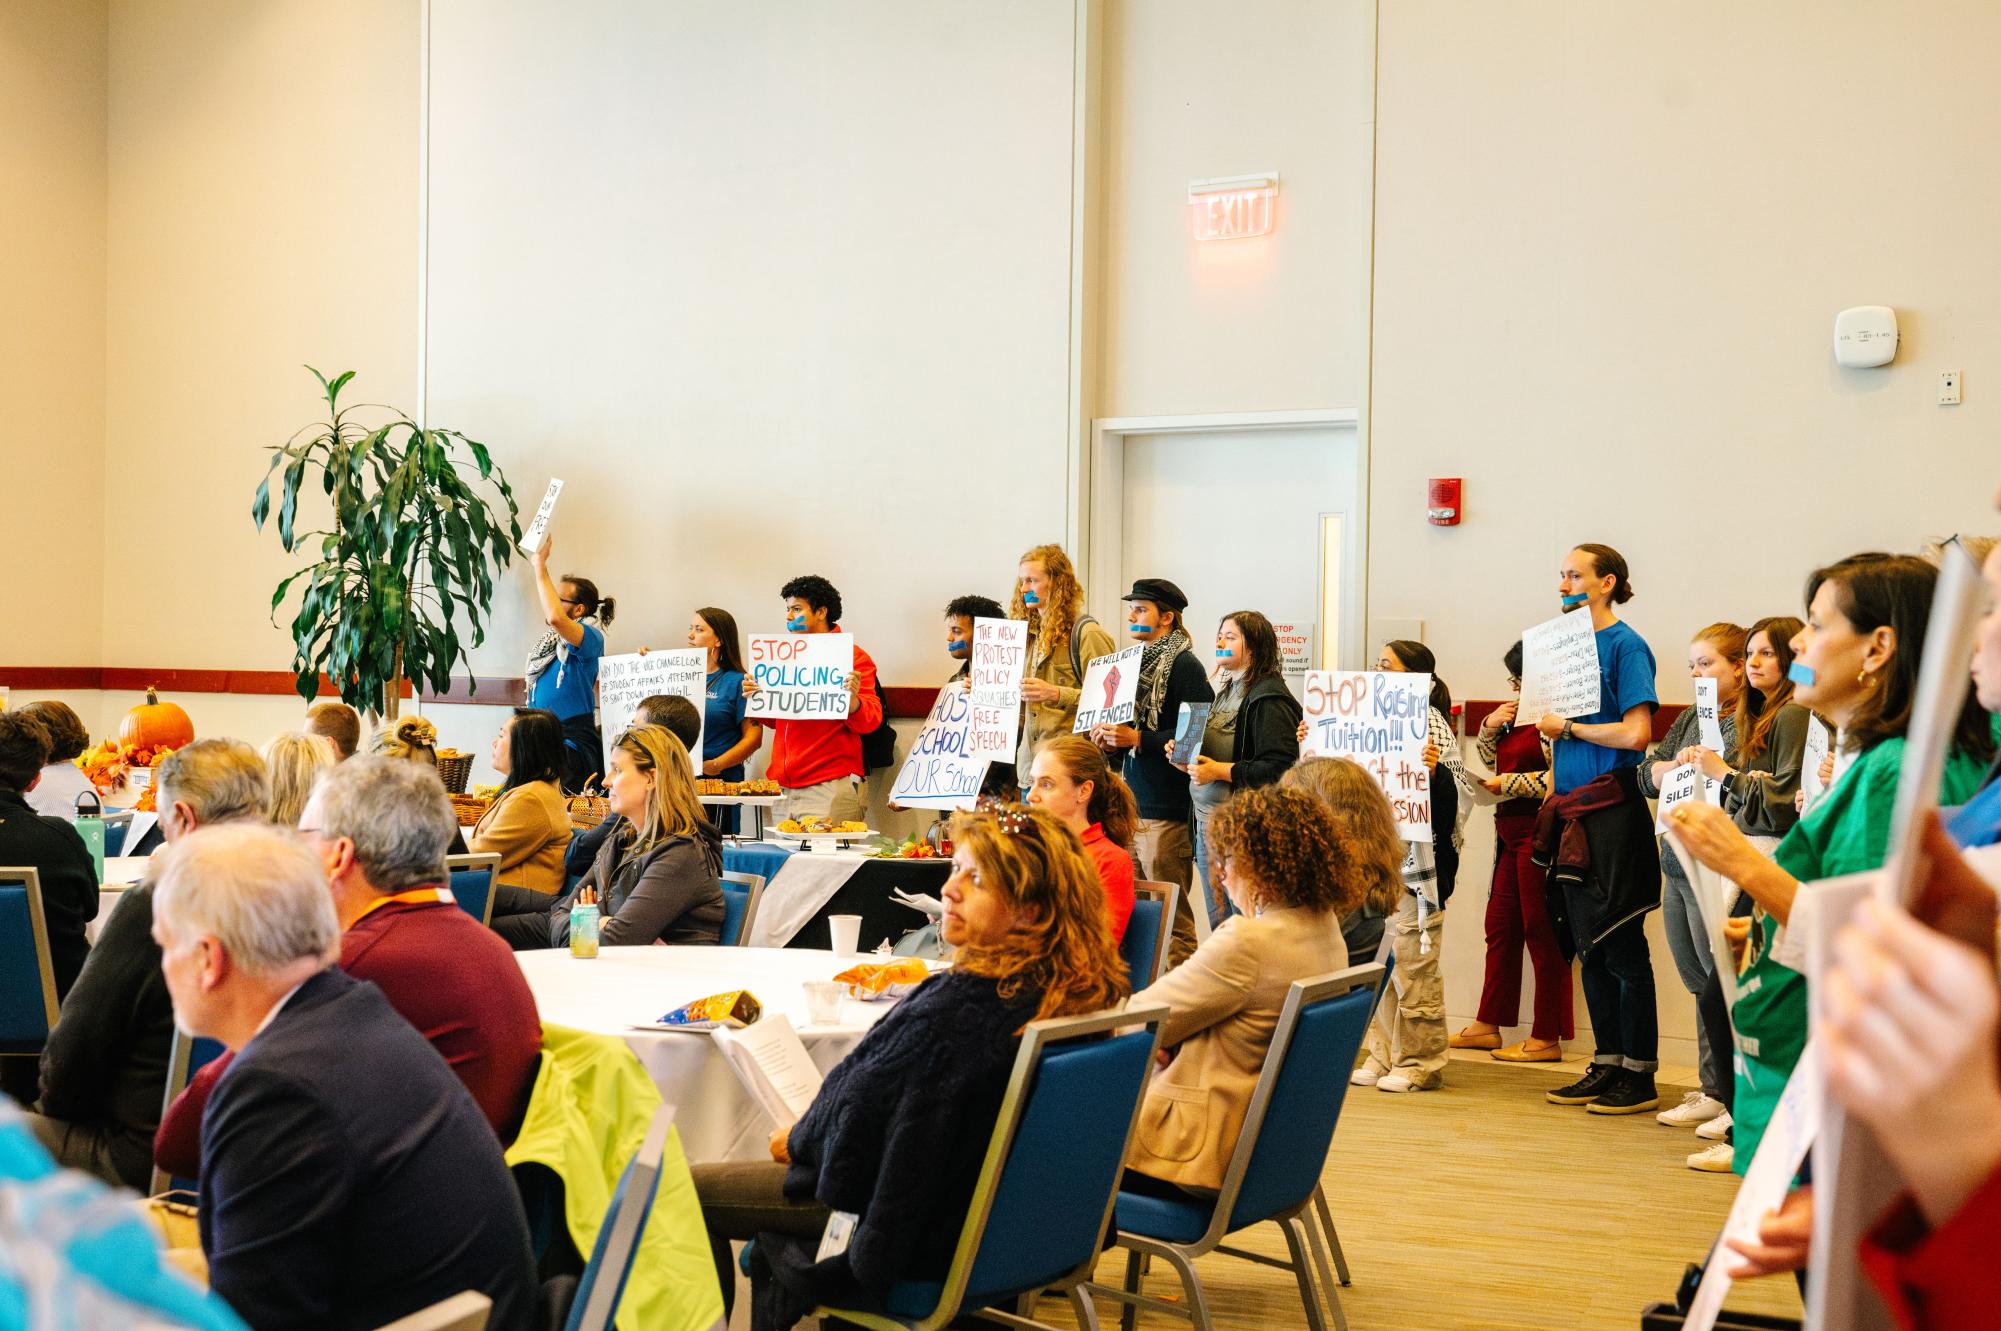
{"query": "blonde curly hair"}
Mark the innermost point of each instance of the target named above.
(412, 737)
(1050, 623)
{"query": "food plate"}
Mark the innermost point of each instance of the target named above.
(807, 840)
(749, 801)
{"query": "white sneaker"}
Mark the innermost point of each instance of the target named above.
(1397, 1083)
(1695, 1108)
(1364, 1076)
(1716, 1128)
(1713, 1159)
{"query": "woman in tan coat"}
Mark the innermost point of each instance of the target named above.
(529, 825)
(1062, 641)
(1292, 876)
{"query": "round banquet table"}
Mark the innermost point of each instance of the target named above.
(621, 986)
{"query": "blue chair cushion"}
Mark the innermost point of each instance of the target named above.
(1169, 1220)
(1140, 948)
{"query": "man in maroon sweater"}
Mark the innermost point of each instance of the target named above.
(382, 826)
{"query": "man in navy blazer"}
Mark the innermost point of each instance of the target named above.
(347, 1178)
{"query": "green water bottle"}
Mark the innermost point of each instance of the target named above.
(90, 826)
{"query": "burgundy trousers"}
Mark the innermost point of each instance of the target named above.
(1518, 917)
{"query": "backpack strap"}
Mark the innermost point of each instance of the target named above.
(1076, 648)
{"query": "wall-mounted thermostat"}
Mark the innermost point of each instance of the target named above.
(1865, 336)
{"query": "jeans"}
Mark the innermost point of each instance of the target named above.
(1220, 907)
(1688, 942)
(741, 1201)
(1518, 917)
(1618, 975)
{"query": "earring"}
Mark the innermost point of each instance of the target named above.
(1865, 679)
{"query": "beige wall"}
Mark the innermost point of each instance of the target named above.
(1610, 248)
(52, 83)
(1194, 90)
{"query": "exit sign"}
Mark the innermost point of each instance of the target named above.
(1233, 207)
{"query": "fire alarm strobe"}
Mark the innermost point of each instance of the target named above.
(1865, 336)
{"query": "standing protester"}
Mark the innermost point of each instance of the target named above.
(1595, 839)
(562, 671)
(1002, 782)
(1062, 641)
(818, 764)
(728, 736)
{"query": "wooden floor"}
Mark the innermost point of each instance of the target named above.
(1483, 1205)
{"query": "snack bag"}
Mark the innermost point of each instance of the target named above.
(735, 1009)
(872, 981)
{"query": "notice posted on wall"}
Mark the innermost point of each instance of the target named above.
(940, 771)
(1559, 669)
(1295, 652)
(1110, 688)
(626, 681)
(1379, 719)
(800, 676)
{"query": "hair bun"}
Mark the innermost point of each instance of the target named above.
(417, 731)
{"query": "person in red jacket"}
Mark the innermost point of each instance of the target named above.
(381, 827)
(818, 764)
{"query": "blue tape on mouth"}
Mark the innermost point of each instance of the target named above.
(1222, 653)
(1136, 628)
(1800, 673)
(1030, 598)
(1578, 599)
(795, 626)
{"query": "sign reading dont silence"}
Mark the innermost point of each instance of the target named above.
(1380, 719)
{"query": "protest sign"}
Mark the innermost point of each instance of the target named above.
(941, 772)
(1295, 652)
(1559, 669)
(800, 676)
(1818, 742)
(1708, 716)
(1381, 720)
(1111, 683)
(995, 731)
(539, 527)
(625, 681)
(1189, 727)
(1000, 655)
(1683, 784)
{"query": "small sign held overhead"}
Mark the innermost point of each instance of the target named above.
(1233, 207)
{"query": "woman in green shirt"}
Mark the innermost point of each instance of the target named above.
(1856, 662)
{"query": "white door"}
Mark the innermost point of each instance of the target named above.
(1248, 519)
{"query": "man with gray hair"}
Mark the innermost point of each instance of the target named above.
(347, 1177)
(104, 1068)
(380, 827)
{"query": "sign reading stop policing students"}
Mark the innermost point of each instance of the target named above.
(1381, 720)
(800, 676)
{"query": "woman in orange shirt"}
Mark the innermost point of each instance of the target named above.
(1070, 780)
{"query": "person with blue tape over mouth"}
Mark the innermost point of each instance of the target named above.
(1063, 640)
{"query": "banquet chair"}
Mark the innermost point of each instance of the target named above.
(594, 1302)
(27, 974)
(114, 837)
(465, 1311)
(1038, 1212)
(187, 1055)
(741, 894)
(1274, 1171)
(471, 878)
(1149, 931)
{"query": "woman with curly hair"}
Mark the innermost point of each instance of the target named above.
(1062, 641)
(897, 1134)
(1291, 875)
(1362, 816)
(415, 739)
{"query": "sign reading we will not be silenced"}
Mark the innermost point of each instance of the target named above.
(941, 771)
(626, 681)
(1381, 720)
(800, 676)
(1110, 688)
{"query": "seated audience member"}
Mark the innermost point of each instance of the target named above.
(347, 1176)
(104, 1069)
(672, 713)
(380, 828)
(528, 825)
(1001, 781)
(898, 1131)
(656, 876)
(294, 760)
(1291, 876)
(1368, 828)
(62, 780)
(415, 739)
(337, 723)
(48, 845)
(1071, 780)
(818, 762)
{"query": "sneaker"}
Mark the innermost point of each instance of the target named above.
(1586, 1088)
(1397, 1083)
(1713, 1159)
(1695, 1108)
(1716, 1129)
(1364, 1076)
(1632, 1093)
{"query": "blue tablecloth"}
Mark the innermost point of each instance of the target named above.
(758, 857)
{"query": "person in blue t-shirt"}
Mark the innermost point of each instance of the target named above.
(1978, 822)
(1594, 759)
(728, 736)
(562, 671)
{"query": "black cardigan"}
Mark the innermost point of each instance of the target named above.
(68, 876)
(1267, 738)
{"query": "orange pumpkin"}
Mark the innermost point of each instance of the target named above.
(156, 724)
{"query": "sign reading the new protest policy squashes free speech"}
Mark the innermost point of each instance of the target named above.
(1380, 719)
(800, 676)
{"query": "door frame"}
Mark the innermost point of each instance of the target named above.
(1096, 520)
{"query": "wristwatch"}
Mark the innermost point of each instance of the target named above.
(1569, 730)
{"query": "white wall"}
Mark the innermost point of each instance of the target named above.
(1610, 247)
(52, 115)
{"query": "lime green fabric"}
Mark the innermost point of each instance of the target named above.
(586, 1117)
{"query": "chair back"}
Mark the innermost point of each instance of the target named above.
(1290, 1120)
(27, 975)
(1039, 1211)
(602, 1284)
(1149, 931)
(741, 894)
(472, 883)
(187, 1055)
(114, 838)
(464, 1311)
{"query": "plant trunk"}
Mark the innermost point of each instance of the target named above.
(392, 692)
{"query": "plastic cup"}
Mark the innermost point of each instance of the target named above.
(823, 1002)
(846, 933)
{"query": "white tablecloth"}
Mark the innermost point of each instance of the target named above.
(796, 894)
(622, 985)
(125, 870)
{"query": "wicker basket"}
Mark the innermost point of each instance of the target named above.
(455, 769)
(588, 810)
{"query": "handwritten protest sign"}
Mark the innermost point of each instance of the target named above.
(995, 730)
(625, 681)
(1189, 729)
(539, 527)
(1381, 720)
(800, 676)
(1708, 716)
(1818, 742)
(1000, 654)
(1559, 669)
(1683, 785)
(941, 772)
(1111, 684)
